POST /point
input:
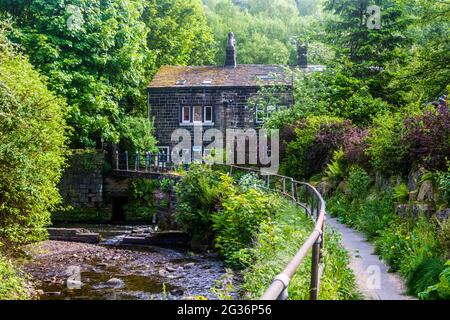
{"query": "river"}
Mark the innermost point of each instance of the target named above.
(76, 271)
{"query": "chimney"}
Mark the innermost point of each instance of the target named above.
(231, 56)
(302, 55)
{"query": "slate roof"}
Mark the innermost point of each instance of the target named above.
(248, 75)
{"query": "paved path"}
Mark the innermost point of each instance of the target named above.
(372, 276)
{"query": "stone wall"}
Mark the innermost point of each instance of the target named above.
(81, 185)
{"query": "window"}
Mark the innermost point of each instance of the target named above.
(198, 114)
(207, 114)
(186, 114)
(263, 112)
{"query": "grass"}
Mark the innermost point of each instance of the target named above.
(278, 241)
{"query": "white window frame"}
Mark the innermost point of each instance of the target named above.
(193, 115)
(267, 110)
(204, 115)
(183, 121)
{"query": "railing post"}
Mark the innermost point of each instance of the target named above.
(117, 159)
(268, 182)
(126, 160)
(136, 164)
(284, 185)
(315, 262)
(293, 189)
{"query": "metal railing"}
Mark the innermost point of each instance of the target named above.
(301, 193)
(307, 197)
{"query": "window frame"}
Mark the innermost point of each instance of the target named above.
(183, 114)
(205, 121)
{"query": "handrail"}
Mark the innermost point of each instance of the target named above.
(312, 201)
(278, 290)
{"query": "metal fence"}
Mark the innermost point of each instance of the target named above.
(301, 193)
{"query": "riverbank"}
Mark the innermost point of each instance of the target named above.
(120, 273)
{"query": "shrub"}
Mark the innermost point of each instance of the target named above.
(32, 149)
(316, 139)
(251, 180)
(429, 137)
(12, 285)
(237, 224)
(405, 245)
(425, 274)
(440, 290)
(141, 206)
(387, 148)
(166, 185)
(198, 194)
(400, 193)
(358, 183)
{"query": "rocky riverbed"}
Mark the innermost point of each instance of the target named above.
(67, 270)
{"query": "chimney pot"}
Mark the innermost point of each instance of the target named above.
(231, 54)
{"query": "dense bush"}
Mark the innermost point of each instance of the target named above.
(32, 149)
(316, 139)
(405, 245)
(428, 134)
(441, 289)
(198, 195)
(238, 222)
(12, 285)
(388, 155)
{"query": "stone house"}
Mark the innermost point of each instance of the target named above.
(205, 97)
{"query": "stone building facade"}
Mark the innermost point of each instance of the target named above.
(215, 97)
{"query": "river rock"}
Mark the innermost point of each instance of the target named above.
(189, 265)
(170, 269)
(115, 283)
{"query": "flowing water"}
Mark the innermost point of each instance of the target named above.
(107, 271)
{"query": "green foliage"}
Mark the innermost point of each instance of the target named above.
(198, 194)
(166, 185)
(424, 274)
(358, 183)
(278, 241)
(440, 290)
(337, 169)
(178, 32)
(12, 285)
(137, 134)
(400, 193)
(100, 56)
(370, 51)
(387, 154)
(251, 181)
(405, 245)
(298, 161)
(84, 215)
(32, 149)
(238, 222)
(141, 206)
(443, 182)
(266, 30)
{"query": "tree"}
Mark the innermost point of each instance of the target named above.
(370, 51)
(32, 149)
(94, 54)
(178, 32)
